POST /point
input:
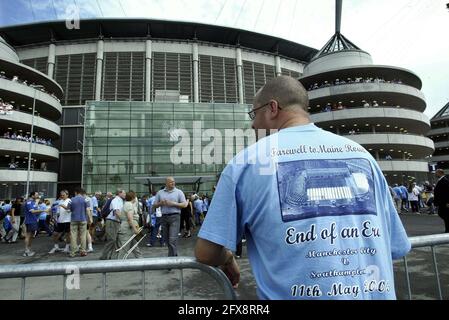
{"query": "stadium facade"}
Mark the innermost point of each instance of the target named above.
(132, 87)
(22, 91)
(381, 107)
(440, 135)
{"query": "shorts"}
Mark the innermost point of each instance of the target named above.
(31, 228)
(63, 227)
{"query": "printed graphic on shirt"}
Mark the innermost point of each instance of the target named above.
(315, 188)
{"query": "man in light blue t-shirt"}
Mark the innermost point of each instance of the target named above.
(315, 209)
(170, 200)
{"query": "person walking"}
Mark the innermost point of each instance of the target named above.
(441, 197)
(31, 221)
(113, 226)
(129, 226)
(171, 200)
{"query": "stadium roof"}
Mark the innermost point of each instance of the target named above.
(337, 43)
(44, 32)
(443, 114)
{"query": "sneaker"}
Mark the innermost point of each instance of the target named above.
(83, 254)
(66, 250)
(149, 245)
(55, 249)
(29, 253)
(90, 249)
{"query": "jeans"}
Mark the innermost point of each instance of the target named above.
(154, 232)
(170, 228)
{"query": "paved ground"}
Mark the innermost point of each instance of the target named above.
(163, 285)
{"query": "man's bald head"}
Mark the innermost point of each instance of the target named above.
(170, 183)
(287, 91)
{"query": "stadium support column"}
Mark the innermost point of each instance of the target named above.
(240, 74)
(98, 79)
(51, 60)
(195, 58)
(277, 62)
(148, 54)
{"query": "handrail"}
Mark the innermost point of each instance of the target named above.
(427, 241)
(103, 267)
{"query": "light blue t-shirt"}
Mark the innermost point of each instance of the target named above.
(43, 215)
(174, 195)
(198, 205)
(317, 214)
(150, 203)
(7, 208)
(205, 205)
(94, 206)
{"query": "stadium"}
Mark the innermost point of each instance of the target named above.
(117, 92)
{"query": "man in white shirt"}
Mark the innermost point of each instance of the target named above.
(63, 223)
(113, 226)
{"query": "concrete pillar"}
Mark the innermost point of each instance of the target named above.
(277, 61)
(238, 54)
(377, 155)
(51, 60)
(196, 82)
(373, 129)
(148, 57)
(98, 79)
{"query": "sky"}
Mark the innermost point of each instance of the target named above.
(411, 34)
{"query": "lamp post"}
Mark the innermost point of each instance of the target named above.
(31, 138)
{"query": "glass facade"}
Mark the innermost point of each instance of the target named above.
(11, 190)
(125, 140)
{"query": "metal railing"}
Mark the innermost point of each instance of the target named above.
(110, 266)
(65, 269)
(427, 241)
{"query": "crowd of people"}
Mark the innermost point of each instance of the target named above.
(413, 197)
(5, 108)
(337, 82)
(80, 221)
(21, 137)
(25, 83)
(341, 106)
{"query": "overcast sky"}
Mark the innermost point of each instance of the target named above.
(412, 34)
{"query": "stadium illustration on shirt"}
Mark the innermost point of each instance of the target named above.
(313, 188)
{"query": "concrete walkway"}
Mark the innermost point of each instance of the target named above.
(166, 285)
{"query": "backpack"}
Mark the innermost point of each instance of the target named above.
(105, 211)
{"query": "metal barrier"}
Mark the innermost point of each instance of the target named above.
(103, 267)
(427, 241)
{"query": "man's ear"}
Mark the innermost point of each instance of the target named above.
(274, 109)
